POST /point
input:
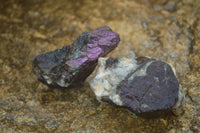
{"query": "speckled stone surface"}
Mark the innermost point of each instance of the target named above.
(145, 86)
(71, 64)
(147, 27)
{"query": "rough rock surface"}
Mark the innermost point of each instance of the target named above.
(146, 86)
(32, 27)
(74, 63)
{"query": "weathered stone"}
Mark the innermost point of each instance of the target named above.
(145, 86)
(74, 63)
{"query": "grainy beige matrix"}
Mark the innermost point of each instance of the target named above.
(166, 30)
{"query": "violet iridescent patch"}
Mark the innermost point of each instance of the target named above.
(74, 63)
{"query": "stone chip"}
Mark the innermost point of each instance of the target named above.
(70, 64)
(144, 86)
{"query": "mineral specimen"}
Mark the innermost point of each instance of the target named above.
(145, 86)
(70, 64)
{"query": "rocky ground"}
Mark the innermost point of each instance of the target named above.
(166, 30)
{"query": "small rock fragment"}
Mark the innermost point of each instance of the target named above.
(70, 64)
(145, 86)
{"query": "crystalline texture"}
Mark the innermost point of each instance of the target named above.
(70, 64)
(145, 86)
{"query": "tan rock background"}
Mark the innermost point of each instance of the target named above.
(167, 30)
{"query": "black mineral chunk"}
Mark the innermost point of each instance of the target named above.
(71, 64)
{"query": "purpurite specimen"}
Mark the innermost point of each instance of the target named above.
(145, 86)
(74, 63)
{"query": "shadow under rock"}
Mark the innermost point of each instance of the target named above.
(69, 94)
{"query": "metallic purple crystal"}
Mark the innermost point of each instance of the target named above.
(152, 93)
(76, 62)
(145, 86)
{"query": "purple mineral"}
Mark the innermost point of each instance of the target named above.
(151, 89)
(74, 63)
(144, 86)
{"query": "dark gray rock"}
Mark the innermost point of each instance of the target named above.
(145, 86)
(70, 64)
